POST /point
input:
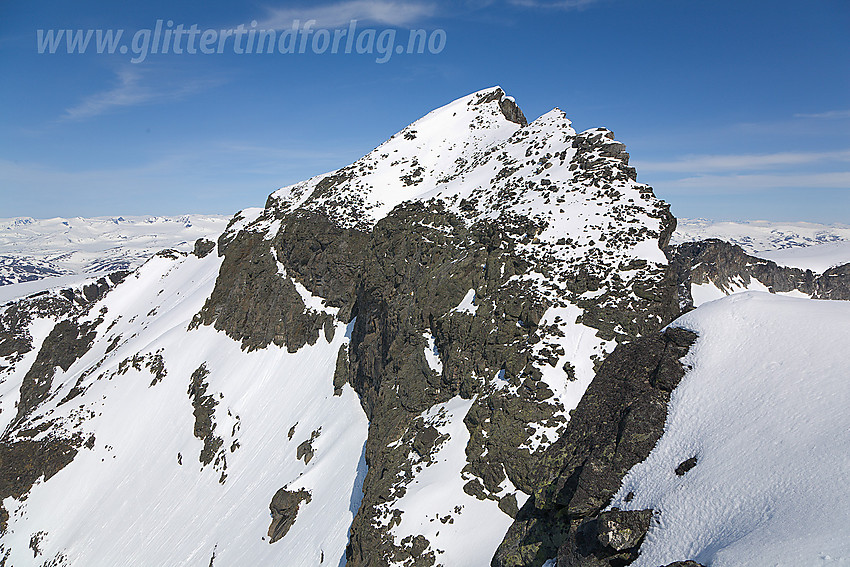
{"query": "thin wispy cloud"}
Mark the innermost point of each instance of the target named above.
(339, 14)
(734, 163)
(738, 184)
(554, 5)
(133, 89)
(830, 115)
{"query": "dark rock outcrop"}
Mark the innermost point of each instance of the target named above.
(305, 449)
(203, 247)
(622, 529)
(614, 427)
(203, 405)
(509, 108)
(685, 466)
(25, 461)
(284, 510)
(833, 284)
(612, 538)
(256, 304)
(63, 346)
(727, 266)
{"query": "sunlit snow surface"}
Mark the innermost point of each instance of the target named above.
(129, 501)
(764, 409)
(818, 258)
(705, 292)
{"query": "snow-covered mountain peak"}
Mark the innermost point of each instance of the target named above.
(411, 163)
(478, 158)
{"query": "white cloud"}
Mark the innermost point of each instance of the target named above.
(731, 163)
(132, 90)
(830, 115)
(735, 184)
(384, 12)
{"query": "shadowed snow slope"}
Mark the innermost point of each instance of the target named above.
(764, 411)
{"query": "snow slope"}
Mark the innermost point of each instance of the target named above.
(817, 258)
(764, 410)
(34, 248)
(110, 506)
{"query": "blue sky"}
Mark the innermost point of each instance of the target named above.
(730, 109)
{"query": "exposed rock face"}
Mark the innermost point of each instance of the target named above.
(204, 410)
(614, 427)
(612, 538)
(727, 266)
(24, 461)
(833, 284)
(203, 246)
(622, 530)
(305, 449)
(284, 509)
(64, 345)
(257, 299)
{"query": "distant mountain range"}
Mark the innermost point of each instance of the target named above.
(31, 249)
